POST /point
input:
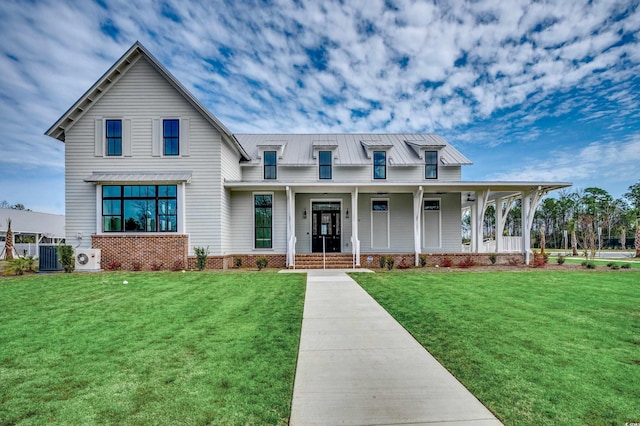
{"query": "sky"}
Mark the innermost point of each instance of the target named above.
(528, 90)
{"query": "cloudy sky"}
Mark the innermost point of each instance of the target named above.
(542, 90)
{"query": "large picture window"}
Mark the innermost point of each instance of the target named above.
(263, 212)
(379, 165)
(171, 137)
(139, 208)
(114, 137)
(270, 165)
(324, 162)
(431, 165)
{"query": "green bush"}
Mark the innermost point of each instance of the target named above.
(237, 261)
(16, 266)
(423, 261)
(493, 258)
(610, 264)
(390, 262)
(65, 257)
(560, 259)
(383, 261)
(201, 257)
(626, 266)
(615, 267)
(262, 262)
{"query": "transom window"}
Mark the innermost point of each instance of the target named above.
(114, 137)
(270, 165)
(171, 136)
(431, 164)
(324, 162)
(431, 205)
(379, 165)
(263, 213)
(139, 208)
(380, 205)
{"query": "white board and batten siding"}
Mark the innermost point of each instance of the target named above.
(142, 97)
(241, 227)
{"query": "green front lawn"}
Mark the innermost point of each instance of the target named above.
(537, 347)
(167, 348)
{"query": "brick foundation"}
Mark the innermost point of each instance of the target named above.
(143, 251)
(434, 259)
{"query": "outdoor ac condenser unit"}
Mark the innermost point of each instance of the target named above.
(87, 259)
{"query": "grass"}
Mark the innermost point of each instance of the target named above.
(537, 348)
(169, 348)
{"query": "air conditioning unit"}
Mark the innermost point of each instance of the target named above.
(87, 259)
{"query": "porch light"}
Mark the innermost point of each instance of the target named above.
(304, 213)
(346, 213)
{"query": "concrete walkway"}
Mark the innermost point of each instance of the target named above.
(358, 366)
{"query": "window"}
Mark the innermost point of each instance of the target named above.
(263, 206)
(171, 137)
(380, 205)
(379, 165)
(139, 208)
(431, 164)
(270, 165)
(114, 137)
(324, 161)
(431, 205)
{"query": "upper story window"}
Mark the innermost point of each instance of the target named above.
(139, 208)
(171, 136)
(324, 163)
(114, 137)
(431, 164)
(379, 165)
(270, 165)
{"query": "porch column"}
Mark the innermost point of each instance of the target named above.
(499, 225)
(355, 240)
(481, 206)
(530, 202)
(474, 227)
(291, 227)
(417, 208)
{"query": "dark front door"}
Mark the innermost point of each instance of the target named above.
(325, 222)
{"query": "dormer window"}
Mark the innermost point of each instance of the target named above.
(379, 164)
(431, 164)
(324, 164)
(270, 164)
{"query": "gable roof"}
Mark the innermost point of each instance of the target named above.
(352, 149)
(113, 74)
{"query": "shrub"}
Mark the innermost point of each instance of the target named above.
(404, 264)
(17, 266)
(545, 257)
(114, 265)
(262, 262)
(513, 261)
(156, 266)
(589, 265)
(493, 258)
(560, 259)
(382, 260)
(610, 264)
(390, 261)
(467, 262)
(136, 265)
(615, 267)
(201, 257)
(423, 261)
(538, 260)
(626, 266)
(178, 265)
(446, 262)
(65, 257)
(237, 261)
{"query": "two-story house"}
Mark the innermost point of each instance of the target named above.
(150, 174)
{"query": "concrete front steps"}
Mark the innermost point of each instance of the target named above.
(333, 261)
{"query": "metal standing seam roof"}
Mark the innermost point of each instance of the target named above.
(146, 176)
(28, 222)
(351, 148)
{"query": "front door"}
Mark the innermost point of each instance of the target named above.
(325, 224)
